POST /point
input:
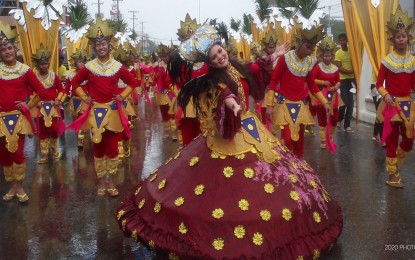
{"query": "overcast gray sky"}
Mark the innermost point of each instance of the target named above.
(160, 19)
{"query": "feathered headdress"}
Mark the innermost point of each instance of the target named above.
(197, 47)
(400, 22)
(42, 55)
(7, 35)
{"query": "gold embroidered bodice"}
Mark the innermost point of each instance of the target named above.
(244, 141)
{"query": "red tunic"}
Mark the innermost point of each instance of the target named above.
(18, 89)
(103, 88)
(52, 91)
(291, 86)
(397, 84)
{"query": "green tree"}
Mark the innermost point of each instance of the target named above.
(246, 24)
(307, 7)
(290, 8)
(222, 31)
(262, 9)
(235, 24)
(118, 25)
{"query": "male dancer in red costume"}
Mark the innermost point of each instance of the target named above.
(48, 113)
(15, 120)
(397, 72)
(288, 94)
(105, 119)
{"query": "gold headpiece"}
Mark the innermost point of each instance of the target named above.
(255, 45)
(7, 35)
(400, 22)
(311, 36)
(79, 54)
(327, 44)
(42, 55)
(121, 55)
(270, 39)
(187, 28)
(100, 30)
(163, 50)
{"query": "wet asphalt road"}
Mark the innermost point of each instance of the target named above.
(65, 219)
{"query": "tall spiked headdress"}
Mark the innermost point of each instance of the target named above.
(187, 28)
(310, 36)
(400, 22)
(42, 55)
(7, 35)
(327, 44)
(79, 54)
(100, 30)
(270, 39)
(164, 50)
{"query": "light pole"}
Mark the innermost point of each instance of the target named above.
(99, 6)
(134, 18)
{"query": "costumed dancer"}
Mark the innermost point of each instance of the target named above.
(181, 71)
(327, 77)
(124, 146)
(47, 113)
(166, 93)
(262, 69)
(76, 106)
(287, 102)
(15, 119)
(105, 116)
(397, 109)
(234, 192)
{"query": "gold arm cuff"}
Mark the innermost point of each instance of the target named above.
(33, 101)
(126, 92)
(64, 96)
(319, 82)
(81, 93)
(382, 91)
(269, 98)
(60, 94)
(321, 98)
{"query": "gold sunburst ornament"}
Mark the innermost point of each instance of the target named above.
(400, 22)
(164, 50)
(7, 35)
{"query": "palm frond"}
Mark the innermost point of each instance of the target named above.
(222, 31)
(262, 9)
(307, 7)
(78, 15)
(246, 24)
(118, 25)
(235, 24)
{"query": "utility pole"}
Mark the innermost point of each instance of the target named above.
(134, 18)
(99, 6)
(142, 37)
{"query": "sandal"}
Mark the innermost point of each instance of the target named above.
(395, 184)
(22, 197)
(101, 192)
(9, 196)
(113, 192)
